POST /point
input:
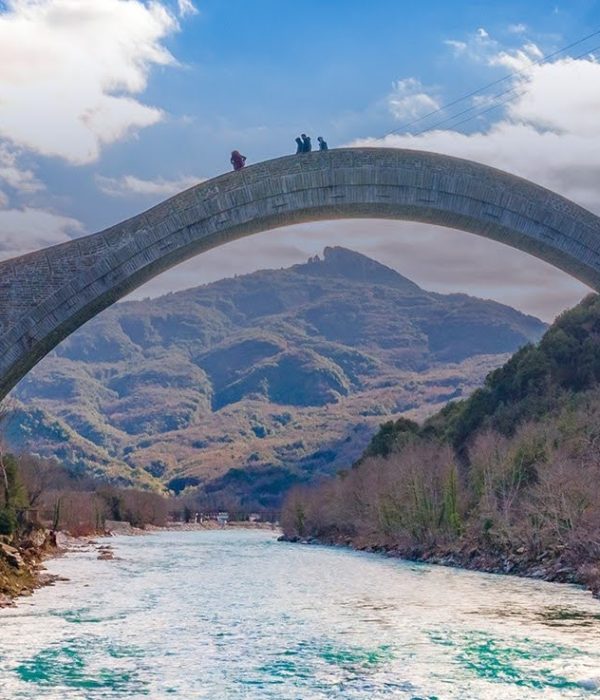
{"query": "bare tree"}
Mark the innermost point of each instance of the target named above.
(42, 475)
(4, 412)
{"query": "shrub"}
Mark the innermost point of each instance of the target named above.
(8, 522)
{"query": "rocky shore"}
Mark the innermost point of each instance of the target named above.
(22, 568)
(553, 566)
(21, 564)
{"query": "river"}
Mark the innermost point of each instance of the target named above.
(235, 614)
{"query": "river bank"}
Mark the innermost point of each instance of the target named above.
(22, 569)
(550, 566)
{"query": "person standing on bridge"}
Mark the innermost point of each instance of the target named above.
(237, 160)
(322, 144)
(306, 142)
(299, 145)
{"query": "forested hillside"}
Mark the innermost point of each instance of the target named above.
(247, 386)
(506, 480)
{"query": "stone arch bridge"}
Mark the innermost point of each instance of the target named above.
(46, 295)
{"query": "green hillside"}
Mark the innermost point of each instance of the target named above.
(537, 382)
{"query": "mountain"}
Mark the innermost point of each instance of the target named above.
(247, 385)
(507, 480)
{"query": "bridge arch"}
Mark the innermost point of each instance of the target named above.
(48, 294)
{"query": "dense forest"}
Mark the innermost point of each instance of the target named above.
(507, 480)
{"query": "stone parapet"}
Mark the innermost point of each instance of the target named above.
(46, 295)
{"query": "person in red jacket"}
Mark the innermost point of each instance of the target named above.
(237, 160)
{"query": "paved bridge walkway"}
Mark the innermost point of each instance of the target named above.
(46, 295)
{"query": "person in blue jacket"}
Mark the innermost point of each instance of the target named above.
(306, 142)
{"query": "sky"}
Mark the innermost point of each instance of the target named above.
(109, 106)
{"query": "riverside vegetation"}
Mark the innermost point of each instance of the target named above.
(507, 480)
(39, 498)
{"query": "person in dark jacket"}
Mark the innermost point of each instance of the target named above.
(322, 144)
(299, 145)
(306, 142)
(237, 160)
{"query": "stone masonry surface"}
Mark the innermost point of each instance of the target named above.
(46, 295)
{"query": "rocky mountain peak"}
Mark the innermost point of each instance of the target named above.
(342, 262)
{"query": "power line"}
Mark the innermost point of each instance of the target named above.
(514, 74)
(480, 112)
(460, 114)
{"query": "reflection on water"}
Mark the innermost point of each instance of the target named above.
(551, 615)
(568, 616)
(235, 614)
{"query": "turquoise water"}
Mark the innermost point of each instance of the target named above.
(236, 615)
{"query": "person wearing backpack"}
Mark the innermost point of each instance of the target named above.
(237, 160)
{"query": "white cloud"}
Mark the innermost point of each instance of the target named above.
(518, 60)
(460, 47)
(14, 176)
(3, 200)
(518, 28)
(479, 46)
(408, 99)
(70, 71)
(128, 185)
(25, 230)
(533, 50)
(187, 7)
(550, 133)
(561, 98)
